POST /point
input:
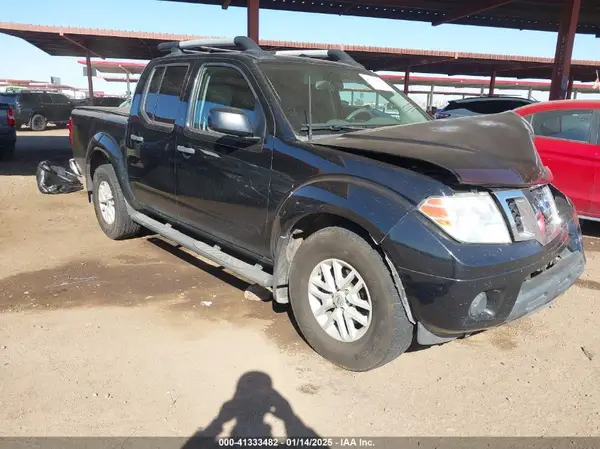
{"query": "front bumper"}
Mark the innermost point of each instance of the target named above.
(441, 278)
(535, 294)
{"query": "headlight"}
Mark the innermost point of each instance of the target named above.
(467, 217)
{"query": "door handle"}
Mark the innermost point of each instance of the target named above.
(186, 150)
(135, 138)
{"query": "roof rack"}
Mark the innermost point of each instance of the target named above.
(39, 90)
(332, 55)
(236, 44)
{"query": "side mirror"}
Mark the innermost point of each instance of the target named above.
(231, 121)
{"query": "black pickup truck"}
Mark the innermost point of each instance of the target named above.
(378, 225)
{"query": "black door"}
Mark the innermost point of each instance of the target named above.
(151, 140)
(48, 109)
(62, 107)
(223, 180)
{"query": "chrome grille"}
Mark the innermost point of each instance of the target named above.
(532, 213)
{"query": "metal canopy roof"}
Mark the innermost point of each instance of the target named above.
(102, 43)
(68, 41)
(117, 67)
(543, 15)
(436, 81)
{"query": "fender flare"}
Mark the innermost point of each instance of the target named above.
(367, 204)
(107, 145)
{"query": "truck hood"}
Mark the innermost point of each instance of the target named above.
(486, 150)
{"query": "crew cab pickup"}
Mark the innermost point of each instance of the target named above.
(377, 228)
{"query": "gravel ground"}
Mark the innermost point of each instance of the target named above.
(139, 338)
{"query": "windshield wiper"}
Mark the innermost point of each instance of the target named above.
(335, 128)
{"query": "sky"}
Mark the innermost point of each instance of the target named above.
(23, 61)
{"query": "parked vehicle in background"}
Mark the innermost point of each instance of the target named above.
(567, 139)
(8, 131)
(108, 101)
(481, 105)
(126, 103)
(37, 109)
(374, 227)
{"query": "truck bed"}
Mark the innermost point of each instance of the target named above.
(90, 120)
(111, 110)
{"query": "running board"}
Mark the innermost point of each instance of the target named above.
(214, 253)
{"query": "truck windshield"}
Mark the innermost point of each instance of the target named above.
(341, 98)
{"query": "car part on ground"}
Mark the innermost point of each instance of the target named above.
(54, 179)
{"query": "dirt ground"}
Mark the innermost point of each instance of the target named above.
(139, 338)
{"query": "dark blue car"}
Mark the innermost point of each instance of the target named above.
(8, 131)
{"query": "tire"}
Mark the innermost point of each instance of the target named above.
(38, 122)
(389, 332)
(122, 226)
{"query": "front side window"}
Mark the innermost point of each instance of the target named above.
(570, 125)
(341, 98)
(60, 99)
(225, 87)
(47, 99)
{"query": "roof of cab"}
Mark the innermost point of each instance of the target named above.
(557, 105)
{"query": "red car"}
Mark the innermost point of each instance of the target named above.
(566, 137)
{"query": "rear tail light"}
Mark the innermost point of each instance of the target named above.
(71, 131)
(439, 115)
(10, 115)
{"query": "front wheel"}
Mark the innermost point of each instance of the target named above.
(109, 205)
(345, 301)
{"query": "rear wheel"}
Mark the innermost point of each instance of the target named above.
(38, 122)
(345, 301)
(109, 205)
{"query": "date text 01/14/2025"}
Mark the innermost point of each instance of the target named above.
(296, 442)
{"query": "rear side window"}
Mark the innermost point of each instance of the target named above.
(490, 107)
(163, 97)
(27, 99)
(450, 106)
(168, 101)
(150, 101)
(570, 125)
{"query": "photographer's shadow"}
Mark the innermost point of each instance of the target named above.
(254, 398)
